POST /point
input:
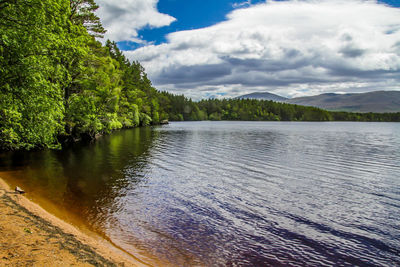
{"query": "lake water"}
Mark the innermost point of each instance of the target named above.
(230, 193)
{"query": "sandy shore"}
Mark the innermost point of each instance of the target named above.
(30, 236)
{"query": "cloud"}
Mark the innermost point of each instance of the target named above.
(288, 47)
(123, 18)
(242, 4)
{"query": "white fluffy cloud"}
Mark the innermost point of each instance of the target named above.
(123, 18)
(292, 48)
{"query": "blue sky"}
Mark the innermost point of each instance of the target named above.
(190, 15)
(214, 48)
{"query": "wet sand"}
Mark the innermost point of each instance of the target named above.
(30, 236)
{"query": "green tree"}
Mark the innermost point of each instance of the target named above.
(82, 13)
(32, 38)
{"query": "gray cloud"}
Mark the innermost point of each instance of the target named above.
(352, 52)
(193, 74)
(265, 65)
(364, 74)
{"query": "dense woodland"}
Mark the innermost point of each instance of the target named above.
(58, 84)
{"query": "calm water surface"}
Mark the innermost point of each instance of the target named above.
(231, 193)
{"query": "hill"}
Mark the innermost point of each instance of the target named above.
(377, 101)
(264, 96)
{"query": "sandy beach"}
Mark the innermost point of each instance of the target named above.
(30, 236)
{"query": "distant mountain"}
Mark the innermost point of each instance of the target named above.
(378, 101)
(264, 96)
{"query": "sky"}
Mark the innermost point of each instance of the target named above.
(227, 48)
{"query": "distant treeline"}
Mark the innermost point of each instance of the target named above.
(180, 108)
(58, 84)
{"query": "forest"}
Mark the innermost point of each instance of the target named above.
(59, 84)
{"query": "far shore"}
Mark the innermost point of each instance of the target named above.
(30, 236)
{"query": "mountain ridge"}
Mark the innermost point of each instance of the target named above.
(264, 96)
(375, 101)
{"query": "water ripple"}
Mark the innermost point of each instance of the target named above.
(235, 193)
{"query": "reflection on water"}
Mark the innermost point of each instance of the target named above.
(232, 193)
(81, 184)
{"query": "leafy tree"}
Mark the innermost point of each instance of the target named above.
(82, 13)
(32, 37)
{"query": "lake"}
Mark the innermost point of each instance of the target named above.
(230, 193)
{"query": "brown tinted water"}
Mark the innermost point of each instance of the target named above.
(230, 193)
(75, 183)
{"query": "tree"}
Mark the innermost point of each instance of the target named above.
(82, 13)
(32, 36)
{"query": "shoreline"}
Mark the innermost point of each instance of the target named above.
(32, 236)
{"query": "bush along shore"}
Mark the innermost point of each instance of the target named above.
(58, 84)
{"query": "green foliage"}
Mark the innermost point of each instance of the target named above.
(180, 108)
(145, 119)
(32, 38)
(82, 117)
(82, 13)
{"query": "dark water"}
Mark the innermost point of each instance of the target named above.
(233, 193)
